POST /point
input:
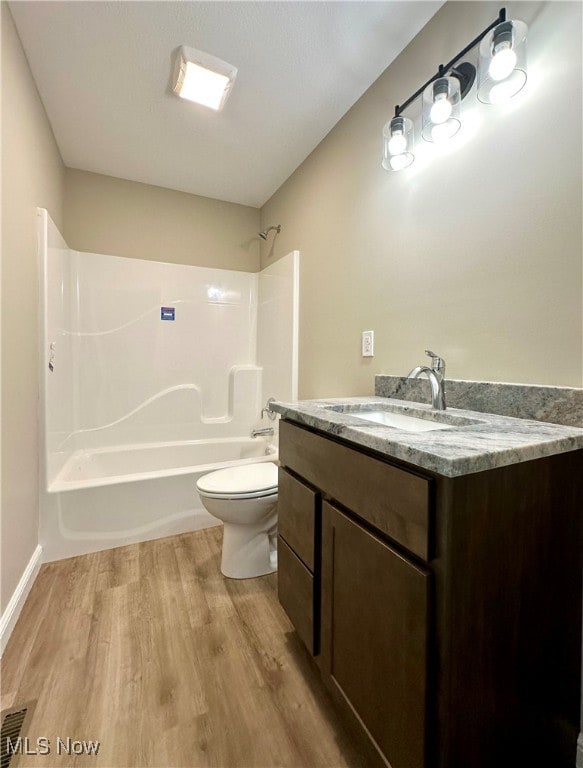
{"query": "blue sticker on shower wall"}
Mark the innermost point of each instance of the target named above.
(167, 313)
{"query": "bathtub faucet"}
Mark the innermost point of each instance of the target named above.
(262, 432)
(271, 415)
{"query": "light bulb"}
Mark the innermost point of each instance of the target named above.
(397, 143)
(398, 162)
(503, 62)
(441, 109)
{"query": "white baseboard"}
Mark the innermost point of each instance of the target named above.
(12, 612)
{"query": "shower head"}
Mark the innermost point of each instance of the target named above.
(265, 232)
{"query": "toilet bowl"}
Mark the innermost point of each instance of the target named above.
(245, 499)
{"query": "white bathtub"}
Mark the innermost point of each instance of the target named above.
(110, 497)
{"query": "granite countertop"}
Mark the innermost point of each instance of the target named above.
(473, 442)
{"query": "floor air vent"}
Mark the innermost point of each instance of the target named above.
(11, 731)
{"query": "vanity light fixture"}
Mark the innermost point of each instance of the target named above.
(397, 142)
(442, 109)
(202, 78)
(501, 74)
(502, 62)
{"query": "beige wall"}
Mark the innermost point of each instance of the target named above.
(32, 175)
(476, 255)
(124, 218)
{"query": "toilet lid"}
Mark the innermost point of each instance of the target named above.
(250, 478)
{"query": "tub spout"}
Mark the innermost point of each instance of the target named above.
(262, 432)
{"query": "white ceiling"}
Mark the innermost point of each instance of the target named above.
(103, 70)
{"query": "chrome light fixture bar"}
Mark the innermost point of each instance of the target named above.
(501, 74)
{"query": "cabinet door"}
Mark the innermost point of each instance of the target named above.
(374, 636)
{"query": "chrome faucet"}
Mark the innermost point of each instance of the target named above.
(436, 376)
(262, 432)
(271, 415)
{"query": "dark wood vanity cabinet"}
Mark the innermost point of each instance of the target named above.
(444, 614)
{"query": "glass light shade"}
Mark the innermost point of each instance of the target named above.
(441, 109)
(397, 144)
(502, 62)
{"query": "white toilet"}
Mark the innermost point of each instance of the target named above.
(245, 499)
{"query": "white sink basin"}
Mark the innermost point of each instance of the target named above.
(400, 421)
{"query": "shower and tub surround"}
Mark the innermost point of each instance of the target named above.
(278, 328)
(152, 371)
(145, 352)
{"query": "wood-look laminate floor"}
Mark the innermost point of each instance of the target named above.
(150, 651)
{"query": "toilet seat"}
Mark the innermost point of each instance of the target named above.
(236, 496)
(246, 482)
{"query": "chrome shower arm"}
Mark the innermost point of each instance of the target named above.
(263, 234)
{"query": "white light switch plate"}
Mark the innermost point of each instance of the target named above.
(368, 343)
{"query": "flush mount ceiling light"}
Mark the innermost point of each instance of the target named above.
(202, 78)
(502, 73)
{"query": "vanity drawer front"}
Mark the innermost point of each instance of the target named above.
(296, 513)
(295, 589)
(394, 501)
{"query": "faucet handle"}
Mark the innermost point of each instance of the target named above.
(271, 415)
(437, 362)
